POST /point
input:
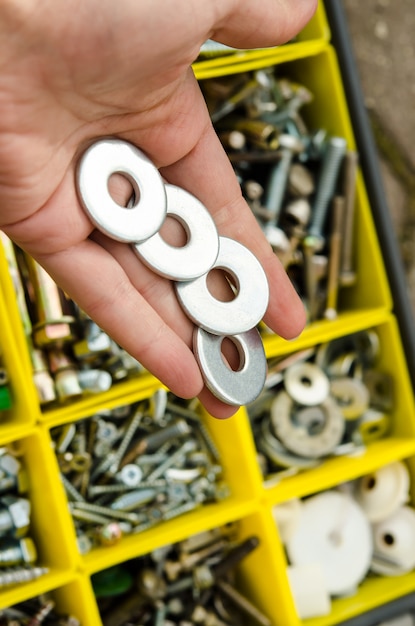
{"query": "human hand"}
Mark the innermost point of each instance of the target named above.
(73, 73)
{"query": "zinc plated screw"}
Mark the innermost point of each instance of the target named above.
(125, 442)
(12, 576)
(278, 179)
(334, 257)
(243, 603)
(188, 446)
(326, 187)
(42, 614)
(154, 441)
(197, 420)
(107, 512)
(347, 273)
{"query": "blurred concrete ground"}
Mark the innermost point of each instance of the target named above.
(383, 39)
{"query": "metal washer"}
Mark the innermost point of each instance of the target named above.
(233, 387)
(198, 255)
(113, 156)
(245, 310)
(297, 438)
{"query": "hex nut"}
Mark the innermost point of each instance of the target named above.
(54, 333)
(19, 511)
(9, 464)
(28, 548)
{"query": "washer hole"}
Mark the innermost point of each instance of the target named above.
(306, 381)
(173, 231)
(123, 190)
(232, 354)
(389, 539)
(222, 285)
(370, 482)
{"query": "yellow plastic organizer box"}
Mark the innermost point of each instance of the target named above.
(30, 433)
(311, 38)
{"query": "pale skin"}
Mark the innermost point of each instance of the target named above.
(71, 73)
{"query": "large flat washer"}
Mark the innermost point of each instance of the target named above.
(114, 156)
(233, 387)
(200, 252)
(245, 310)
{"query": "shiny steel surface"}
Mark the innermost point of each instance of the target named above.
(245, 310)
(198, 255)
(233, 387)
(113, 156)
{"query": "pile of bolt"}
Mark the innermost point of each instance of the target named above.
(71, 356)
(188, 583)
(18, 553)
(128, 469)
(300, 184)
(5, 394)
(34, 612)
(322, 401)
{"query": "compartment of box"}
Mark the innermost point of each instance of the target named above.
(385, 434)
(198, 562)
(57, 605)
(78, 370)
(48, 526)
(374, 572)
(17, 411)
(324, 113)
(214, 59)
(200, 484)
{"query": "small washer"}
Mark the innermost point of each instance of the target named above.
(351, 395)
(233, 387)
(245, 310)
(113, 156)
(306, 383)
(198, 255)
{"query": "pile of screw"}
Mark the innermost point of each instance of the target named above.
(34, 612)
(71, 356)
(18, 553)
(300, 184)
(128, 469)
(188, 583)
(328, 400)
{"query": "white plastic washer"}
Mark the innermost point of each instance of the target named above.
(245, 310)
(384, 491)
(334, 532)
(306, 383)
(114, 156)
(233, 387)
(198, 255)
(394, 540)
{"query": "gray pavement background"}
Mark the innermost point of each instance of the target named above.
(382, 35)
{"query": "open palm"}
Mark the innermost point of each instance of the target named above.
(73, 72)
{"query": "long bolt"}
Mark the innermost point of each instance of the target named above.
(243, 603)
(278, 179)
(125, 442)
(155, 440)
(334, 257)
(21, 574)
(188, 446)
(42, 614)
(347, 273)
(326, 187)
